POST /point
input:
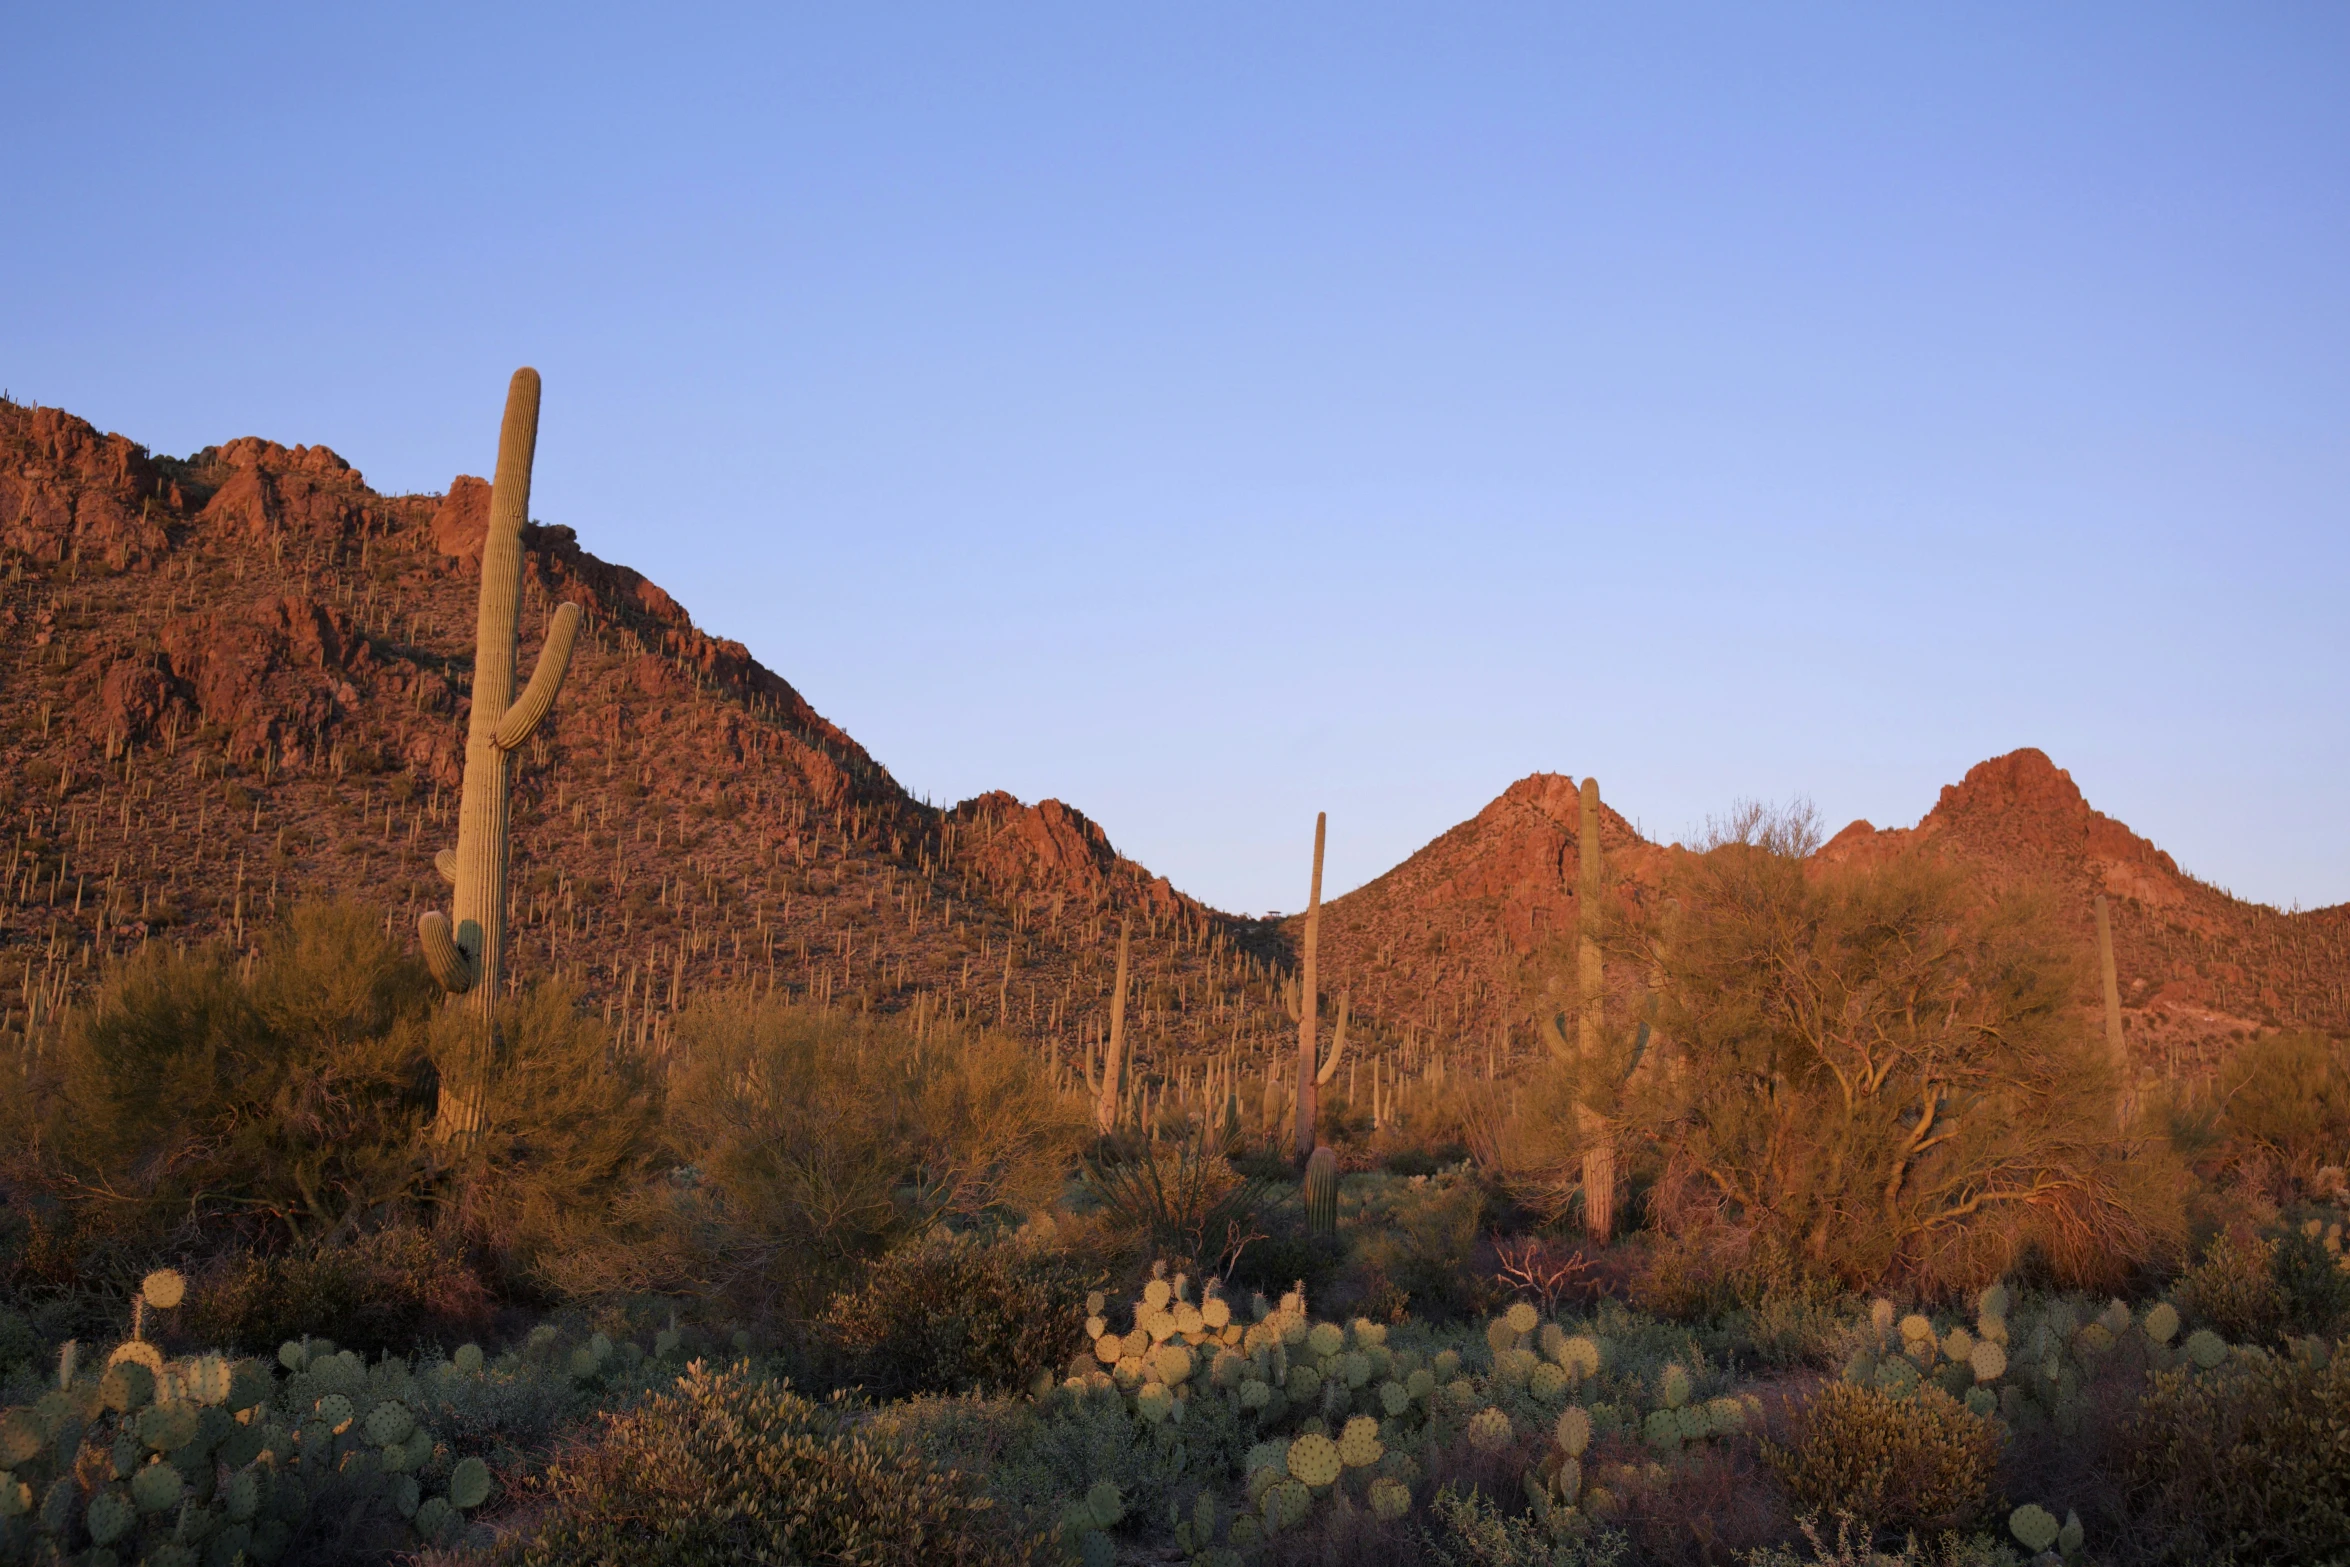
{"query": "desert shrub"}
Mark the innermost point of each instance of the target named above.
(18, 1344)
(2234, 1289)
(1884, 1068)
(949, 1315)
(1920, 1461)
(572, 1127)
(2315, 1285)
(1854, 1547)
(728, 1468)
(2286, 1102)
(290, 1098)
(1182, 1201)
(808, 1140)
(388, 1290)
(2249, 1462)
(1466, 1529)
(1419, 1234)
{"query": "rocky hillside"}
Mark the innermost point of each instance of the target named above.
(240, 679)
(1449, 943)
(2198, 968)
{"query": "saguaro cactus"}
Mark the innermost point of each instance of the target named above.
(1599, 1158)
(2114, 1043)
(1307, 1001)
(468, 955)
(1321, 1193)
(1109, 1093)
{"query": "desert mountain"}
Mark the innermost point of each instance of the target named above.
(240, 679)
(1439, 945)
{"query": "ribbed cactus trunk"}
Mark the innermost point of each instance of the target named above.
(1308, 995)
(468, 955)
(1109, 1096)
(2110, 979)
(1321, 1193)
(1599, 1157)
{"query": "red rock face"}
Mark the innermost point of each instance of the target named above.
(462, 521)
(68, 492)
(1049, 852)
(276, 675)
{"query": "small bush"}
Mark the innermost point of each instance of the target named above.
(821, 1138)
(2250, 1462)
(2234, 1289)
(1427, 1248)
(388, 1291)
(951, 1315)
(2315, 1287)
(727, 1468)
(1918, 1462)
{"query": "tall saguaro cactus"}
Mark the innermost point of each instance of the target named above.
(1110, 1092)
(1599, 1159)
(468, 955)
(1308, 1071)
(2111, 983)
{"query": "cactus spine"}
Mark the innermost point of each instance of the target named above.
(1308, 1000)
(1599, 1159)
(1107, 1096)
(467, 955)
(1322, 1193)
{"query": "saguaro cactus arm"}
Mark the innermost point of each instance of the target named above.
(545, 680)
(446, 863)
(449, 964)
(1337, 1046)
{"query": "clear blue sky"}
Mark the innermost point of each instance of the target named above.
(1210, 414)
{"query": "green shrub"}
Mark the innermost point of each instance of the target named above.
(18, 1345)
(820, 1138)
(1182, 1201)
(2315, 1287)
(389, 1290)
(951, 1315)
(1922, 1461)
(292, 1098)
(2234, 1289)
(1468, 1530)
(2287, 1103)
(2252, 1459)
(727, 1468)
(1424, 1244)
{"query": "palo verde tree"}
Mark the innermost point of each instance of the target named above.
(1886, 1071)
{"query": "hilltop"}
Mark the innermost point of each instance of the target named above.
(1441, 944)
(239, 678)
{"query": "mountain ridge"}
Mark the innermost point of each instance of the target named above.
(239, 677)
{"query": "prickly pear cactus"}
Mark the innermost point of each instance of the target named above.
(158, 1461)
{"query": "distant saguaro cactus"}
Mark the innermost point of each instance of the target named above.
(468, 957)
(1307, 1001)
(1599, 1159)
(1321, 1193)
(1110, 1091)
(2115, 1045)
